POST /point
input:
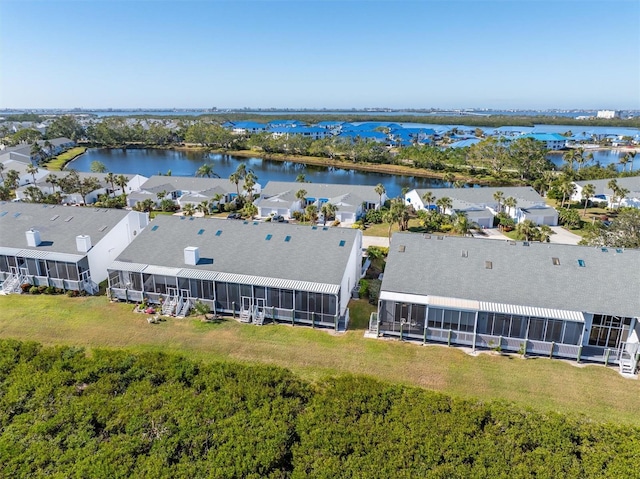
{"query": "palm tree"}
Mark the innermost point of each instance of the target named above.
(47, 144)
(301, 178)
(428, 198)
(203, 207)
(188, 209)
(544, 233)
(499, 196)
(122, 181)
(36, 152)
(206, 170)
(12, 180)
(249, 210)
(161, 194)
(462, 224)
(389, 217)
(111, 178)
(328, 211)
(570, 157)
(311, 212)
(53, 181)
(624, 161)
(526, 230)
(588, 191)
(449, 178)
(458, 184)
(1, 172)
(300, 196)
(613, 186)
(250, 180)
(632, 156)
(443, 204)
(235, 178)
(32, 170)
(621, 194)
(379, 189)
(216, 199)
(511, 203)
(567, 188)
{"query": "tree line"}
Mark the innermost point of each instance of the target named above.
(114, 413)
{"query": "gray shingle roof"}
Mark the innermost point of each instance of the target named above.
(321, 190)
(313, 255)
(519, 275)
(484, 195)
(57, 235)
(188, 183)
(631, 183)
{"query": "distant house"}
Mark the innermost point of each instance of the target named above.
(511, 296)
(377, 136)
(247, 127)
(188, 189)
(62, 246)
(552, 141)
(25, 178)
(604, 193)
(256, 270)
(313, 132)
(481, 207)
(352, 201)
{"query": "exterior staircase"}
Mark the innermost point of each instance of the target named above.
(258, 316)
(183, 309)
(245, 315)
(12, 284)
(169, 306)
(627, 363)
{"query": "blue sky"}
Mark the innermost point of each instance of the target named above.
(334, 54)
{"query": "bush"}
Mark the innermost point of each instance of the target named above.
(25, 287)
(298, 216)
(42, 289)
(364, 288)
(373, 216)
(34, 290)
(50, 290)
(374, 290)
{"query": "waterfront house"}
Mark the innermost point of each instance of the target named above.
(193, 189)
(62, 246)
(25, 178)
(531, 298)
(481, 207)
(256, 270)
(605, 194)
(247, 127)
(552, 141)
(352, 201)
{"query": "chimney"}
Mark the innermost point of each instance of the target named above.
(33, 238)
(83, 243)
(191, 255)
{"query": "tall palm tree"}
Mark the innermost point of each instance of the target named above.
(53, 181)
(588, 191)
(203, 207)
(499, 196)
(32, 170)
(380, 190)
(567, 188)
(621, 194)
(111, 178)
(624, 161)
(122, 181)
(235, 178)
(632, 156)
(36, 152)
(301, 178)
(207, 170)
(250, 180)
(49, 146)
(328, 211)
(511, 203)
(389, 217)
(443, 204)
(161, 194)
(301, 194)
(613, 186)
(570, 157)
(428, 198)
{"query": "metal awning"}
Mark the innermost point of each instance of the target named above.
(198, 274)
(532, 311)
(278, 283)
(124, 266)
(41, 254)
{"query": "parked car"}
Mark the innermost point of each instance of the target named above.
(278, 219)
(234, 216)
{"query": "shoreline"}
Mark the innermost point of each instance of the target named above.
(396, 170)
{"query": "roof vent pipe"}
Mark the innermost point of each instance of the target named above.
(33, 238)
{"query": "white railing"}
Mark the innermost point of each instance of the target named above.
(373, 323)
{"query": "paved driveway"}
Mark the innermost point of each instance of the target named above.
(563, 236)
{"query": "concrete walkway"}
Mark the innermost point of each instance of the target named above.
(374, 241)
(562, 236)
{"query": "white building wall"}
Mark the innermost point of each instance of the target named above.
(114, 242)
(413, 199)
(351, 273)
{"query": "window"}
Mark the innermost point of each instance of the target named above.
(581, 263)
(609, 331)
(488, 265)
(555, 261)
(536, 329)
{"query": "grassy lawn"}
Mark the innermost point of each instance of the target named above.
(57, 162)
(382, 229)
(540, 383)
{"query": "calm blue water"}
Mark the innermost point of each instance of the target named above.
(181, 163)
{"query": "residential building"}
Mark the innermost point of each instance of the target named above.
(352, 201)
(608, 114)
(481, 207)
(512, 296)
(62, 246)
(259, 271)
(552, 141)
(604, 193)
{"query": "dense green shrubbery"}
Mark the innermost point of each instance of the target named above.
(119, 414)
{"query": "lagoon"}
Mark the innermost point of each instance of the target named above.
(149, 162)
